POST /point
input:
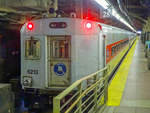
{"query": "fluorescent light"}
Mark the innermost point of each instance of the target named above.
(139, 32)
(105, 5)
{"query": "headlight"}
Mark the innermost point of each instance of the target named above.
(27, 81)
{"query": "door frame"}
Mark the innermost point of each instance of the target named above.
(50, 58)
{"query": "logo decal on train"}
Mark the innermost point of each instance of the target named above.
(60, 69)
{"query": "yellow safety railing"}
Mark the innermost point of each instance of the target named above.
(83, 96)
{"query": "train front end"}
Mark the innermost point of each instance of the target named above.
(45, 55)
(56, 52)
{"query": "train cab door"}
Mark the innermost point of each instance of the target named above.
(59, 57)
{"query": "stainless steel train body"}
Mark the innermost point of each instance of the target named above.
(56, 52)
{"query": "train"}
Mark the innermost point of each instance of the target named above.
(55, 52)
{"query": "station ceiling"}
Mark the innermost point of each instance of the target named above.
(19, 11)
(137, 10)
(15, 11)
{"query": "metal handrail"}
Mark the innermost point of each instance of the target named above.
(82, 92)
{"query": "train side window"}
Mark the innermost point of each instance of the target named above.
(112, 51)
(32, 49)
(60, 49)
(117, 47)
(107, 53)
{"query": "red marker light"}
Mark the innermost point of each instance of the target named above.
(30, 26)
(88, 25)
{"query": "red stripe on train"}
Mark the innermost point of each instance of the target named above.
(109, 55)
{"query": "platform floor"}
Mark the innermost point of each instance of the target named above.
(136, 94)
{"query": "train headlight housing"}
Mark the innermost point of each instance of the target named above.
(27, 81)
(88, 25)
(30, 26)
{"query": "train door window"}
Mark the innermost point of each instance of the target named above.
(32, 49)
(60, 49)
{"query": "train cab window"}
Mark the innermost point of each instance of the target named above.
(32, 49)
(60, 49)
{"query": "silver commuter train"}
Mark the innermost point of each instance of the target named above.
(56, 52)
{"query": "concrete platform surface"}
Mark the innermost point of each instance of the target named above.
(136, 95)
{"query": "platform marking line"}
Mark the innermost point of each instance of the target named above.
(117, 85)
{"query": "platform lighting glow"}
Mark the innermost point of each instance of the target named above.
(139, 32)
(105, 5)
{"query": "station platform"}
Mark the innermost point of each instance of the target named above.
(129, 90)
